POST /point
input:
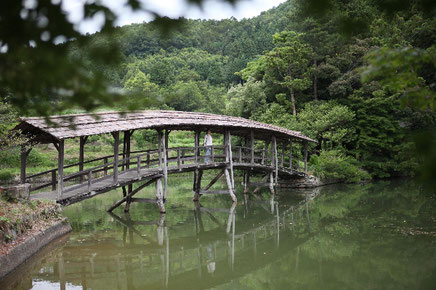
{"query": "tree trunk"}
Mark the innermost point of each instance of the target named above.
(315, 81)
(294, 111)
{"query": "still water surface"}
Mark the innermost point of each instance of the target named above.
(374, 236)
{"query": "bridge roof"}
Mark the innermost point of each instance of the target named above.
(76, 125)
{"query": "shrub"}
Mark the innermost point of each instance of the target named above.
(6, 175)
(335, 165)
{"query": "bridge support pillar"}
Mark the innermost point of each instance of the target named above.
(229, 185)
(271, 182)
(160, 195)
(246, 180)
(197, 184)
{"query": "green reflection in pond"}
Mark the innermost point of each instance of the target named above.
(373, 236)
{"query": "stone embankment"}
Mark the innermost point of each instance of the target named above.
(308, 181)
(26, 226)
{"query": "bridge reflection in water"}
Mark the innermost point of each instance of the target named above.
(214, 254)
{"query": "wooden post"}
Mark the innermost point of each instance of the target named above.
(246, 180)
(130, 187)
(167, 134)
(148, 159)
(23, 164)
(283, 155)
(82, 142)
(197, 144)
(271, 182)
(159, 140)
(266, 152)
(129, 134)
(198, 185)
(105, 167)
(138, 166)
(229, 140)
(60, 168)
(159, 196)
(305, 156)
(226, 151)
(194, 184)
(276, 160)
(252, 145)
(229, 185)
(89, 181)
(290, 154)
(178, 158)
(53, 179)
(183, 156)
(240, 154)
(116, 152)
(165, 164)
(212, 154)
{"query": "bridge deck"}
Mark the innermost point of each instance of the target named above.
(78, 192)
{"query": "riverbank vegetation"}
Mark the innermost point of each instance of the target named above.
(359, 78)
(20, 219)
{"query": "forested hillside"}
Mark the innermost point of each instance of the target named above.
(359, 79)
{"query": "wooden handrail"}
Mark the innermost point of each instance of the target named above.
(143, 160)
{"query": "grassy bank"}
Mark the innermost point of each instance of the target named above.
(21, 219)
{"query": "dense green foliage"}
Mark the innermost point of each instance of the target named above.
(358, 77)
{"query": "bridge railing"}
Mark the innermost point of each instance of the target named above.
(243, 155)
(177, 158)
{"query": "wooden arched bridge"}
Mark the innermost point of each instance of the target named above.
(264, 148)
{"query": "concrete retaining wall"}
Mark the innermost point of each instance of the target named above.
(30, 246)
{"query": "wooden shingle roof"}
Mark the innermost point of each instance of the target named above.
(71, 126)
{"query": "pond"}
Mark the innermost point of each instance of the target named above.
(380, 235)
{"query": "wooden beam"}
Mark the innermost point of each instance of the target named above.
(214, 181)
(116, 136)
(55, 144)
(214, 192)
(118, 203)
(143, 200)
(262, 182)
(61, 169)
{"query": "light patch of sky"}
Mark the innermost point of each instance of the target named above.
(211, 9)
